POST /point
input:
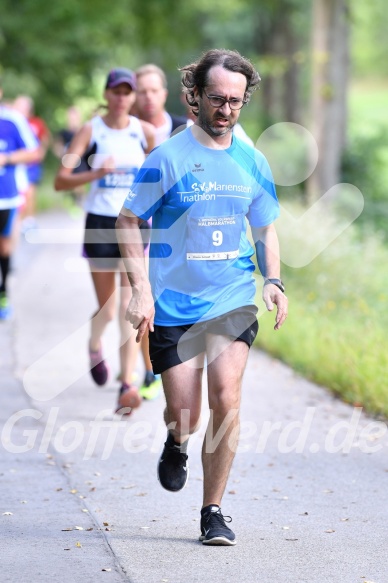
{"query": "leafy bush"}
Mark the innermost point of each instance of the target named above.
(336, 332)
(365, 164)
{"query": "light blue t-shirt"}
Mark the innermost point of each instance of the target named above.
(199, 199)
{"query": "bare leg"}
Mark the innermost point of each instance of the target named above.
(128, 345)
(145, 350)
(144, 344)
(30, 203)
(183, 391)
(225, 374)
(104, 285)
(5, 257)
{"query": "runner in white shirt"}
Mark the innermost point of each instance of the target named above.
(119, 143)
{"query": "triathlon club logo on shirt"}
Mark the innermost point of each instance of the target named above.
(210, 190)
(210, 186)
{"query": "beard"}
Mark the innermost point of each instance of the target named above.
(207, 124)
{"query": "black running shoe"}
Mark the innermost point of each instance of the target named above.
(173, 469)
(214, 530)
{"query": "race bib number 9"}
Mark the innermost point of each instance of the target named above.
(213, 238)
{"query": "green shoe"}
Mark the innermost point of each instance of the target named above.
(151, 386)
(5, 308)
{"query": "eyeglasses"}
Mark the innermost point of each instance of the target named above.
(218, 101)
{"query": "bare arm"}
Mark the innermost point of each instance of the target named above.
(268, 260)
(22, 156)
(149, 132)
(65, 179)
(141, 309)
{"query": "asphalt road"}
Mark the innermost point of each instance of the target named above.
(79, 496)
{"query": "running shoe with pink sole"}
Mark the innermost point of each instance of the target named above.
(98, 367)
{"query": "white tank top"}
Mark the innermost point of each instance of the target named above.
(126, 147)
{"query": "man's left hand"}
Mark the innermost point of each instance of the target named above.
(272, 295)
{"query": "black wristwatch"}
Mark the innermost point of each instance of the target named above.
(277, 282)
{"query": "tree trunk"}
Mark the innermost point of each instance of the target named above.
(291, 93)
(330, 55)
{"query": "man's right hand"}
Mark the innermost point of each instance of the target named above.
(140, 313)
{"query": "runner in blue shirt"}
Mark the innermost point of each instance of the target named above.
(17, 146)
(201, 188)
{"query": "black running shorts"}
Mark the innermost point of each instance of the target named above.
(172, 345)
(100, 242)
(7, 220)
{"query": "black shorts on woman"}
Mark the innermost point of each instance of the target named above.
(100, 242)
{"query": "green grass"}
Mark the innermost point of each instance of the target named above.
(47, 198)
(336, 332)
(368, 109)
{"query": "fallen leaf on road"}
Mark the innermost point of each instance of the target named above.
(232, 492)
(73, 491)
(78, 545)
(85, 510)
(78, 528)
(329, 530)
(105, 523)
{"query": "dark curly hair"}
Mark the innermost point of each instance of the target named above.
(196, 74)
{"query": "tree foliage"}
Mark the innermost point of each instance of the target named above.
(42, 44)
(54, 50)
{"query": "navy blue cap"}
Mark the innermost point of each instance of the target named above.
(121, 75)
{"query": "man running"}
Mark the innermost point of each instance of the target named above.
(201, 187)
(150, 102)
(17, 146)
